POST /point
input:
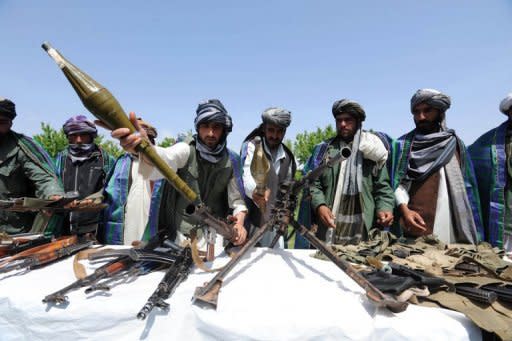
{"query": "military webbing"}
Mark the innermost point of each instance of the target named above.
(473, 265)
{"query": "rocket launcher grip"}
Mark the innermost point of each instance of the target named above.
(102, 104)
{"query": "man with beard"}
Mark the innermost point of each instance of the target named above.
(133, 201)
(82, 167)
(282, 166)
(353, 196)
(492, 157)
(435, 184)
(207, 166)
(25, 170)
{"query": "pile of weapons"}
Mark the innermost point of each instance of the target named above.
(125, 263)
(27, 252)
(128, 263)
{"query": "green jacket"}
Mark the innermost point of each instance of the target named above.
(25, 171)
(376, 194)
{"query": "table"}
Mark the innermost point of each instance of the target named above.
(269, 295)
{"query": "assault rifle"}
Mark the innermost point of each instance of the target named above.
(11, 245)
(176, 274)
(43, 254)
(122, 265)
(282, 216)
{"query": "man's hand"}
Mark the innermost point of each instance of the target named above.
(261, 200)
(413, 222)
(325, 216)
(240, 231)
(129, 141)
(385, 218)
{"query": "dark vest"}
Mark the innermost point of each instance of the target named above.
(86, 177)
(209, 180)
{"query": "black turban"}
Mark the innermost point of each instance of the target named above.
(7, 108)
(213, 110)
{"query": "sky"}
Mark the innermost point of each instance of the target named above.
(161, 58)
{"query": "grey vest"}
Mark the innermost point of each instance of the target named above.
(273, 182)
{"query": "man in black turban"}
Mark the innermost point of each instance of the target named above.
(83, 168)
(26, 170)
(208, 167)
(355, 195)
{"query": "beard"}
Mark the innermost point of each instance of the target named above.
(427, 127)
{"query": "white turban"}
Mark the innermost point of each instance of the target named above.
(506, 104)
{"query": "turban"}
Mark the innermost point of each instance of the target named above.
(277, 116)
(79, 125)
(7, 108)
(212, 110)
(506, 104)
(349, 107)
(150, 130)
(432, 97)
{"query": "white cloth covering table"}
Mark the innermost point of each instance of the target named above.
(270, 295)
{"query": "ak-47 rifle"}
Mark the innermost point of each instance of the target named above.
(43, 254)
(176, 274)
(102, 104)
(12, 245)
(282, 216)
(114, 269)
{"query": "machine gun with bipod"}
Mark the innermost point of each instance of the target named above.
(280, 219)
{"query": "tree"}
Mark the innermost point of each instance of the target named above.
(109, 146)
(51, 140)
(306, 141)
(55, 141)
(167, 142)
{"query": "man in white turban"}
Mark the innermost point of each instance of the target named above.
(271, 133)
(435, 185)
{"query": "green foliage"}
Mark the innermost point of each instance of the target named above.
(55, 141)
(51, 140)
(109, 146)
(167, 142)
(306, 141)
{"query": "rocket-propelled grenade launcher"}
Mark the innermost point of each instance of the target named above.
(102, 104)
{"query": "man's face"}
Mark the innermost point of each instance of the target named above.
(210, 133)
(5, 125)
(274, 135)
(79, 138)
(426, 118)
(346, 126)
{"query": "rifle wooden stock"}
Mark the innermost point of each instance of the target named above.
(59, 243)
(111, 268)
(107, 270)
(50, 254)
(208, 294)
(20, 244)
(374, 294)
